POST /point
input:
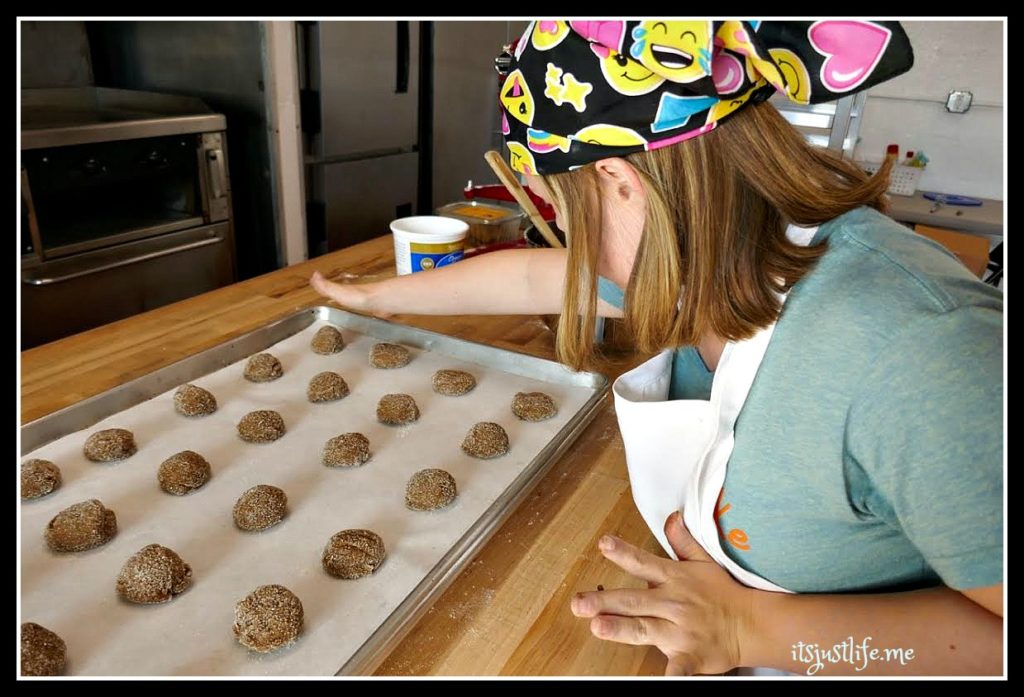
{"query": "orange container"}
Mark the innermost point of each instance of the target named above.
(488, 222)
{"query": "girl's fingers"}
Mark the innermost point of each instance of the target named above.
(321, 285)
(682, 542)
(330, 289)
(638, 631)
(634, 560)
(629, 602)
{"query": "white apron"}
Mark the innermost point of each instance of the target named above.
(677, 450)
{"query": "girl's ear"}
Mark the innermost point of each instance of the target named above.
(619, 178)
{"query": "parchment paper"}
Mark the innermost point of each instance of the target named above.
(74, 595)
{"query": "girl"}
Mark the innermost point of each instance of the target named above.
(818, 442)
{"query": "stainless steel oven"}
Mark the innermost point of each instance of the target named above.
(125, 206)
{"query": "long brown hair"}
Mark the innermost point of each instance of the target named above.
(713, 252)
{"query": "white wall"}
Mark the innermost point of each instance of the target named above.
(966, 150)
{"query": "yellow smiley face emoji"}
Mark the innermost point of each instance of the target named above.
(625, 76)
(548, 33)
(678, 51)
(520, 159)
(516, 97)
(794, 72)
(726, 106)
(606, 134)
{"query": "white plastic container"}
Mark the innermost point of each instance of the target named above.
(425, 242)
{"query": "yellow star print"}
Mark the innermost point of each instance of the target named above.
(564, 88)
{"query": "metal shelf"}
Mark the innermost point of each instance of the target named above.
(834, 125)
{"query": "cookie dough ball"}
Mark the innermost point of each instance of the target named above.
(326, 387)
(261, 426)
(42, 651)
(268, 618)
(260, 507)
(389, 356)
(353, 553)
(429, 489)
(263, 367)
(485, 440)
(533, 406)
(190, 400)
(154, 574)
(397, 410)
(183, 472)
(80, 527)
(326, 341)
(110, 444)
(346, 450)
(38, 478)
(453, 382)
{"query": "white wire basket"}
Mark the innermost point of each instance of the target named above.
(902, 179)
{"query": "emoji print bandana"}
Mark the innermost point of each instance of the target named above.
(578, 91)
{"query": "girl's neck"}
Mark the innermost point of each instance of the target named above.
(710, 349)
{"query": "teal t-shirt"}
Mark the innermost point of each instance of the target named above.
(691, 379)
(869, 452)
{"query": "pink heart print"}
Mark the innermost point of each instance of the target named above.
(548, 27)
(726, 71)
(608, 34)
(852, 49)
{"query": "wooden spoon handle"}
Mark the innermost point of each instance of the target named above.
(507, 177)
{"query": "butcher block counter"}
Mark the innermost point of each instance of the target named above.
(508, 612)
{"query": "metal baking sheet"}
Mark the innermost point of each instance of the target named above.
(350, 626)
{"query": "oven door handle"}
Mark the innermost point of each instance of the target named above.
(215, 158)
(33, 280)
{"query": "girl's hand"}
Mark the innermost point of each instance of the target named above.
(353, 296)
(693, 610)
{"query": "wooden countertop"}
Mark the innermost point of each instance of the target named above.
(508, 612)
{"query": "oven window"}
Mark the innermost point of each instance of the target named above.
(94, 195)
(26, 231)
